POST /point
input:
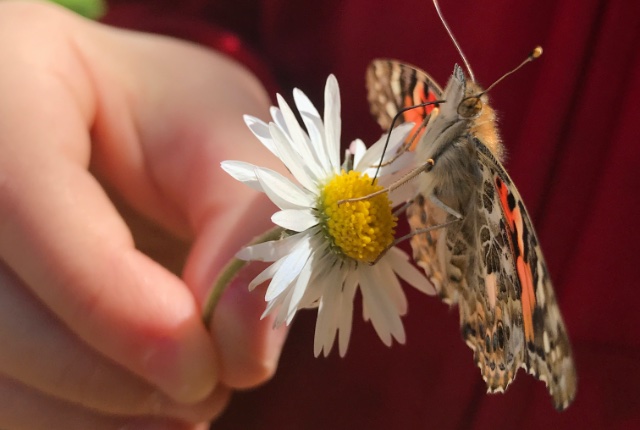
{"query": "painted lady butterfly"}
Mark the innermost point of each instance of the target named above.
(480, 251)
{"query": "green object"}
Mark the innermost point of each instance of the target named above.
(92, 9)
(229, 272)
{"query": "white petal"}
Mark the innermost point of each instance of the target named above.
(408, 187)
(278, 118)
(402, 195)
(372, 157)
(284, 193)
(316, 134)
(283, 305)
(291, 158)
(318, 336)
(295, 219)
(384, 318)
(326, 323)
(272, 250)
(292, 264)
(346, 312)
(407, 271)
(261, 130)
(265, 274)
(271, 306)
(243, 172)
(315, 128)
(357, 149)
(321, 262)
(304, 105)
(299, 288)
(399, 168)
(390, 286)
(332, 124)
(300, 142)
(397, 139)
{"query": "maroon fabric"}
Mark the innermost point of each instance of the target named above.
(569, 123)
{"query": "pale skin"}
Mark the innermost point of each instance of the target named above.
(101, 131)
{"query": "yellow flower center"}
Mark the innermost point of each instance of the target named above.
(360, 230)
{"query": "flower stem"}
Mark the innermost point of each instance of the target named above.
(229, 272)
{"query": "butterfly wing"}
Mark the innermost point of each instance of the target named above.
(489, 263)
(391, 86)
(520, 324)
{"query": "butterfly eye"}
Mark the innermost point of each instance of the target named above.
(470, 107)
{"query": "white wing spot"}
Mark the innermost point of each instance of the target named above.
(391, 109)
(490, 282)
(545, 341)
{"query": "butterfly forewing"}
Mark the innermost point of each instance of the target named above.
(392, 85)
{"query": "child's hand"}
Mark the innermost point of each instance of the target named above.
(94, 333)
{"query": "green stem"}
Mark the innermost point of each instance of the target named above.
(229, 272)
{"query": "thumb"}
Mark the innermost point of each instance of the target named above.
(248, 346)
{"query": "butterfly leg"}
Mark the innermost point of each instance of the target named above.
(436, 201)
(415, 233)
(402, 208)
(409, 143)
(402, 181)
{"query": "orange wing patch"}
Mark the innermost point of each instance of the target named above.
(421, 94)
(515, 227)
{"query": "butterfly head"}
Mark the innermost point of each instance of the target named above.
(467, 110)
(470, 107)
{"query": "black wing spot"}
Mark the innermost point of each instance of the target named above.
(423, 217)
(517, 289)
(455, 278)
(485, 234)
(487, 197)
(468, 331)
(500, 335)
(503, 287)
(511, 201)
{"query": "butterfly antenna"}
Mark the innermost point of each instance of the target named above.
(393, 122)
(455, 42)
(537, 52)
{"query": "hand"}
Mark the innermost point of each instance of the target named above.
(94, 333)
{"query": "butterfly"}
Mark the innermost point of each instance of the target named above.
(479, 247)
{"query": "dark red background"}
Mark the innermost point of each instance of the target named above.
(569, 123)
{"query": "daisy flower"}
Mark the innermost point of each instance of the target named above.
(329, 248)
